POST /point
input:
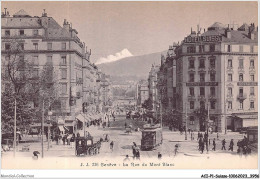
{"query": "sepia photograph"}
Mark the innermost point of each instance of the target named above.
(129, 85)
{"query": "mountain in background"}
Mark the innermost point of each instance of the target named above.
(131, 68)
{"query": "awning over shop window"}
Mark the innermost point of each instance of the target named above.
(80, 118)
(61, 128)
(245, 116)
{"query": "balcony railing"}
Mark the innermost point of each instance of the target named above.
(241, 96)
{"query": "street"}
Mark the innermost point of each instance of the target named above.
(123, 143)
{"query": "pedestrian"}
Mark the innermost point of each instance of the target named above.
(231, 145)
(198, 135)
(126, 159)
(209, 141)
(159, 155)
(223, 144)
(191, 136)
(134, 149)
(176, 149)
(112, 145)
(214, 145)
(217, 135)
(202, 146)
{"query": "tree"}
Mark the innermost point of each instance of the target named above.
(148, 104)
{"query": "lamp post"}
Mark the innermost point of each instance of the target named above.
(49, 115)
(186, 116)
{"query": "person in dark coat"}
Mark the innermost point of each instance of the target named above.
(214, 145)
(202, 146)
(223, 144)
(159, 155)
(134, 149)
(112, 145)
(231, 145)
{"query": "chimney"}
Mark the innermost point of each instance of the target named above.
(191, 30)
(251, 32)
(204, 30)
(66, 25)
(228, 32)
(44, 14)
(89, 51)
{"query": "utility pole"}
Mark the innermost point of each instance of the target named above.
(161, 112)
(207, 146)
(14, 142)
(42, 125)
(186, 116)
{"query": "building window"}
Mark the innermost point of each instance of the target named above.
(241, 63)
(191, 63)
(229, 104)
(212, 77)
(252, 105)
(202, 91)
(241, 105)
(35, 46)
(212, 63)
(252, 49)
(202, 63)
(230, 91)
(202, 77)
(35, 60)
(252, 63)
(252, 91)
(212, 104)
(64, 88)
(63, 60)
(192, 91)
(49, 46)
(230, 63)
(7, 46)
(240, 77)
(49, 59)
(35, 73)
(192, 120)
(63, 103)
(191, 104)
(212, 91)
(201, 48)
(212, 47)
(21, 32)
(63, 45)
(35, 32)
(229, 77)
(191, 49)
(241, 48)
(191, 77)
(229, 48)
(64, 73)
(241, 91)
(252, 77)
(7, 32)
(21, 45)
(202, 104)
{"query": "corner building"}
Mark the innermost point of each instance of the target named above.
(218, 69)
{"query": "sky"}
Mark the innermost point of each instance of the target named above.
(114, 30)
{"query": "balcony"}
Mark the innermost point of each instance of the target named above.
(201, 98)
(212, 97)
(191, 97)
(241, 97)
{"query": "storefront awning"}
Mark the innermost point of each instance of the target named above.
(244, 116)
(61, 128)
(80, 118)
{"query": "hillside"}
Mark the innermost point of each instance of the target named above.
(137, 66)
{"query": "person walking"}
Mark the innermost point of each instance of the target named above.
(231, 145)
(112, 145)
(214, 145)
(223, 144)
(134, 149)
(202, 146)
(159, 155)
(176, 150)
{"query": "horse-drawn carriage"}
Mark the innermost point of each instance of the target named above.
(86, 146)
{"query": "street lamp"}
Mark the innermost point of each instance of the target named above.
(49, 115)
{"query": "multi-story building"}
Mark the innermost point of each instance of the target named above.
(152, 85)
(218, 70)
(142, 92)
(42, 41)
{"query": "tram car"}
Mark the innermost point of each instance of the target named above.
(151, 137)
